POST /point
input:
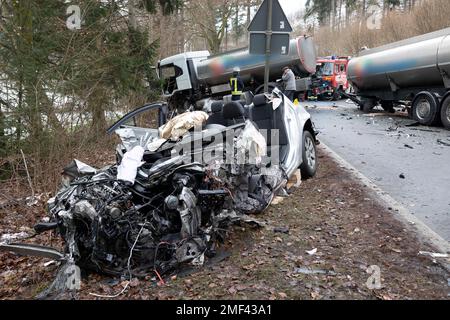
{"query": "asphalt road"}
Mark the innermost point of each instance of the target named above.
(403, 159)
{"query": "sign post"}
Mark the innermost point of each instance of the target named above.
(268, 44)
(269, 34)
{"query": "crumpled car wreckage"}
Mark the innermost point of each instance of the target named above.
(175, 190)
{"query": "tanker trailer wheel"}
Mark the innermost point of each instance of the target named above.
(388, 106)
(425, 109)
(367, 105)
(445, 113)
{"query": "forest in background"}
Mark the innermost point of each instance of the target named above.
(343, 27)
(61, 88)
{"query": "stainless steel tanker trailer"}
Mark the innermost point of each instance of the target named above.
(192, 76)
(416, 70)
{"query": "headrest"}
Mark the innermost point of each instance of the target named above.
(259, 100)
(216, 107)
(233, 110)
(248, 97)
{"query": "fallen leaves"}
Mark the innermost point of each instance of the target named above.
(241, 287)
(315, 295)
(232, 290)
(134, 282)
(282, 295)
(249, 267)
(263, 261)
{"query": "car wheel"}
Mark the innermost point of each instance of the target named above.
(309, 164)
(445, 113)
(425, 109)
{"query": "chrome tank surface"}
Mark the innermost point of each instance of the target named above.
(218, 69)
(413, 63)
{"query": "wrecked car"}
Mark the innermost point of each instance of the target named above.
(176, 188)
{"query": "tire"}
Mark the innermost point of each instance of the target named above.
(336, 96)
(409, 110)
(425, 109)
(306, 96)
(308, 167)
(445, 113)
(367, 106)
(388, 106)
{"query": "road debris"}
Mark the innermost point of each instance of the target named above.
(313, 271)
(444, 143)
(424, 130)
(281, 230)
(9, 237)
(312, 252)
(413, 124)
(434, 254)
(49, 263)
(394, 127)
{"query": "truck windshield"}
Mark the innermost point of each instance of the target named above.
(168, 75)
(325, 69)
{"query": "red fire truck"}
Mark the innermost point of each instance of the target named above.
(330, 77)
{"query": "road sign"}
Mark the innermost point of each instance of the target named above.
(269, 33)
(279, 44)
(280, 22)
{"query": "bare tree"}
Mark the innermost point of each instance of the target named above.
(209, 20)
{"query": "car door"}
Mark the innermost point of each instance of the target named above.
(294, 128)
(150, 116)
(140, 126)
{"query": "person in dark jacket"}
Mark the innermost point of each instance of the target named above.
(237, 85)
(289, 83)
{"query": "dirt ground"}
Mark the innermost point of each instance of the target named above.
(331, 213)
